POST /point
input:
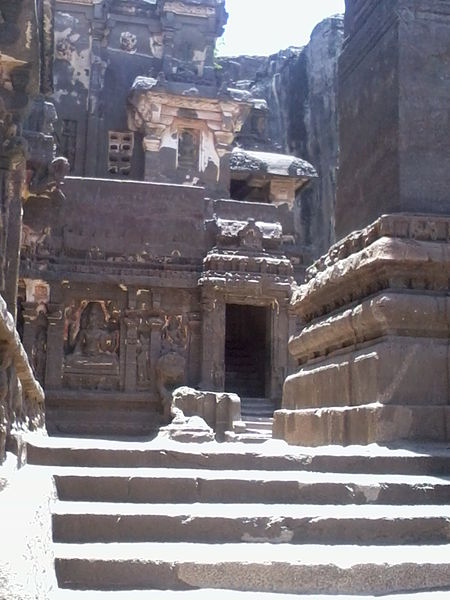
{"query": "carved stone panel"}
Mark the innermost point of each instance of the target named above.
(91, 347)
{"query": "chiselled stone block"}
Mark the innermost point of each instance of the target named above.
(396, 370)
(373, 423)
(220, 411)
(373, 354)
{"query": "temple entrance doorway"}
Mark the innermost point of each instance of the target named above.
(247, 350)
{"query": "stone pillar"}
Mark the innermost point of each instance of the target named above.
(55, 347)
(29, 330)
(213, 343)
(95, 149)
(393, 111)
(156, 325)
(280, 337)
(373, 350)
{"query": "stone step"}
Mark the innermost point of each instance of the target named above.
(184, 486)
(259, 424)
(251, 437)
(310, 569)
(83, 522)
(212, 594)
(416, 460)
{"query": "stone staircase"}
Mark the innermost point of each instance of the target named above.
(132, 519)
(257, 416)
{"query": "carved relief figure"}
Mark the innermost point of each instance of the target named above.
(171, 366)
(92, 358)
(94, 340)
(174, 335)
(128, 42)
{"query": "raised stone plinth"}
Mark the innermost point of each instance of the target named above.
(373, 350)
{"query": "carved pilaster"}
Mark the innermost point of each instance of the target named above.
(213, 343)
(131, 324)
(29, 321)
(55, 346)
(156, 325)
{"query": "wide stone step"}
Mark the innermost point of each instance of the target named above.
(313, 569)
(76, 522)
(426, 459)
(211, 594)
(184, 486)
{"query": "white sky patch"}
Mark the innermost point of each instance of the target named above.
(262, 27)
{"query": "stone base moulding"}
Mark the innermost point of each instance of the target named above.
(360, 425)
(373, 354)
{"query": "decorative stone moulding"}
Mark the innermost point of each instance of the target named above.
(374, 345)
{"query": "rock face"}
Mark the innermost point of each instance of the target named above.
(373, 352)
(300, 88)
(393, 111)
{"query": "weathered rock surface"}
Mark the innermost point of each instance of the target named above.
(300, 87)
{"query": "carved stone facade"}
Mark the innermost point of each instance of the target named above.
(139, 272)
(131, 317)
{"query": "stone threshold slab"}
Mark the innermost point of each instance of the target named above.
(212, 594)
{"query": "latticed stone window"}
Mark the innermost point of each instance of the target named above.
(120, 152)
(69, 141)
(188, 149)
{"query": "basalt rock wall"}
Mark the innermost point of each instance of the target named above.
(300, 87)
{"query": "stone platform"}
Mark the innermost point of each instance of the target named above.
(373, 350)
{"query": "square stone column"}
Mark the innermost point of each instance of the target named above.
(393, 111)
(373, 351)
(213, 342)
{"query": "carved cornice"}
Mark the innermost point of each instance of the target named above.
(387, 313)
(426, 228)
(406, 252)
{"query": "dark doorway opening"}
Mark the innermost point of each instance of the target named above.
(247, 350)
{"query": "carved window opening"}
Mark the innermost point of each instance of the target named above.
(120, 152)
(188, 149)
(69, 141)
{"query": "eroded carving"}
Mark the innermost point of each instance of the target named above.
(93, 360)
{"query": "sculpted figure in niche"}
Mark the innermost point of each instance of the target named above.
(94, 339)
(128, 42)
(174, 335)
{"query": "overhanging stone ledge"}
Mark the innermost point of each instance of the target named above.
(386, 313)
(387, 263)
